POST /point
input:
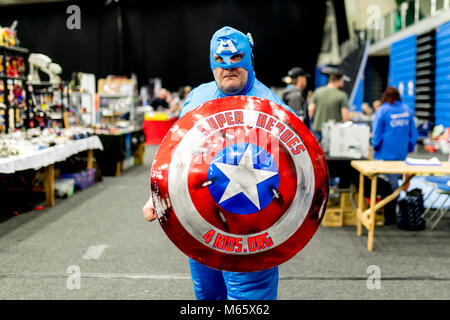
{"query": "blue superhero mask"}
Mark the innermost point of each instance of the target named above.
(228, 42)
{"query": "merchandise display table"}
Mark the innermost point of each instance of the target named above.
(155, 130)
(47, 157)
(117, 148)
(366, 217)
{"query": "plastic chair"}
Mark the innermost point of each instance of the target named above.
(435, 181)
(443, 189)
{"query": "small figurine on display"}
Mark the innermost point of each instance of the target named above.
(18, 96)
(8, 35)
(11, 69)
(74, 81)
(43, 63)
(40, 119)
(20, 63)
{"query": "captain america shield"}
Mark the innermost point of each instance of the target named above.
(240, 184)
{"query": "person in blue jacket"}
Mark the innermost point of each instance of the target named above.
(394, 135)
(231, 60)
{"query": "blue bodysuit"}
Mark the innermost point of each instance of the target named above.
(211, 284)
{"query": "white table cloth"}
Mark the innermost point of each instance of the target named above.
(42, 158)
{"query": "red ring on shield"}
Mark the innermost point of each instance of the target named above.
(259, 245)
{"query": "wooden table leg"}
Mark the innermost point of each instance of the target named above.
(118, 168)
(370, 214)
(373, 200)
(49, 185)
(360, 205)
(139, 155)
(90, 159)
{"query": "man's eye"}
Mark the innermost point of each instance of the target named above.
(236, 57)
(218, 59)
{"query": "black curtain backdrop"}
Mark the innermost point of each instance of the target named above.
(170, 39)
(341, 20)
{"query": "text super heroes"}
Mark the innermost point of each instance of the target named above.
(232, 118)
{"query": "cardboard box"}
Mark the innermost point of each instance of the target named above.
(379, 219)
(116, 85)
(346, 140)
(349, 218)
(333, 217)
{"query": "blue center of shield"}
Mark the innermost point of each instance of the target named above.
(244, 178)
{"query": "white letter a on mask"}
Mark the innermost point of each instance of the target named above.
(226, 46)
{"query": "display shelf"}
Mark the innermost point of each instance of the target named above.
(23, 52)
(114, 110)
(2, 76)
(84, 104)
(43, 84)
(59, 88)
(114, 95)
(14, 49)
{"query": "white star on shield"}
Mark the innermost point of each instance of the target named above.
(244, 178)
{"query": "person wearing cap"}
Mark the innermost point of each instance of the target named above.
(329, 103)
(231, 61)
(293, 94)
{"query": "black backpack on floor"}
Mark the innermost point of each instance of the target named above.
(410, 210)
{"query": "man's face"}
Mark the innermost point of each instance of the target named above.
(230, 81)
(302, 82)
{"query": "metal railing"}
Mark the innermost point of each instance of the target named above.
(408, 13)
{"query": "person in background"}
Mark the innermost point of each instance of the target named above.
(376, 104)
(184, 93)
(293, 94)
(394, 135)
(309, 98)
(329, 103)
(162, 100)
(367, 109)
(178, 101)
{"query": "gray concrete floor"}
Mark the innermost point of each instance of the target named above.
(39, 249)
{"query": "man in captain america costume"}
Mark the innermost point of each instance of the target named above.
(231, 61)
